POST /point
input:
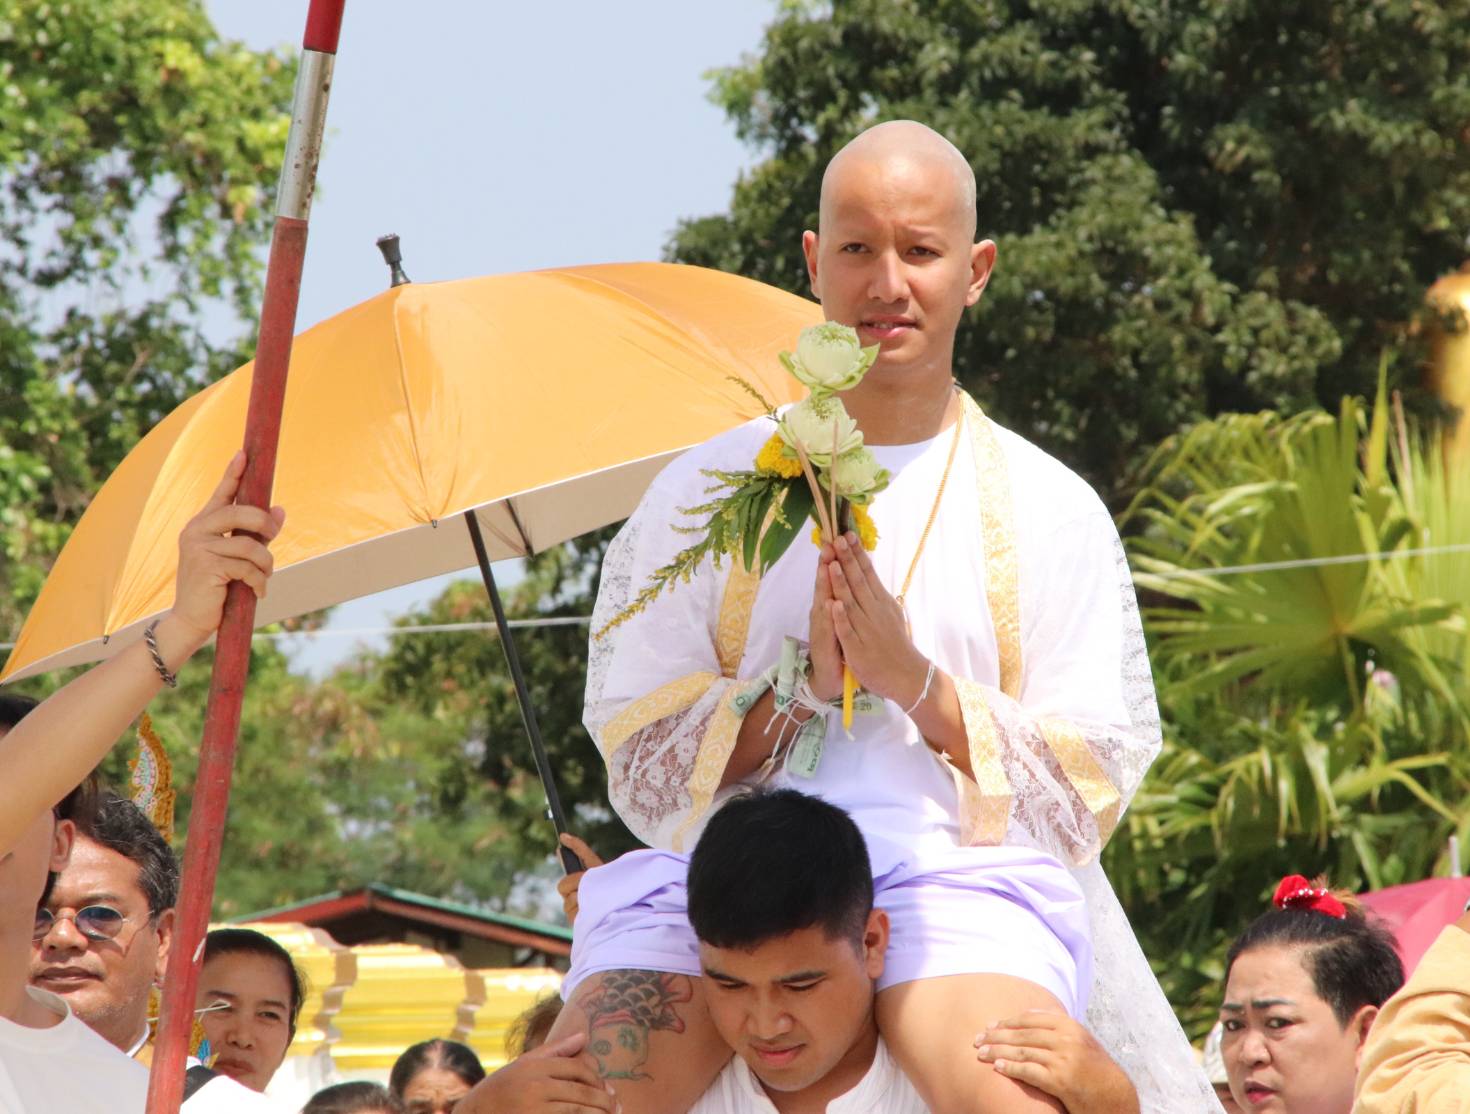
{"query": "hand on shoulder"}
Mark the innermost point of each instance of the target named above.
(558, 1077)
(1058, 1055)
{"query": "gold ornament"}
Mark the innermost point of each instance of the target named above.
(1449, 356)
(152, 779)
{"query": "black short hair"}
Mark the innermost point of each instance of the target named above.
(119, 825)
(246, 941)
(359, 1097)
(1352, 960)
(14, 707)
(450, 1056)
(772, 862)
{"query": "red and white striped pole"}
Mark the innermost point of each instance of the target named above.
(232, 648)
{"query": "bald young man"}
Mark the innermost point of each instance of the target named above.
(995, 627)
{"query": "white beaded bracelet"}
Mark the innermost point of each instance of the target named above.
(928, 680)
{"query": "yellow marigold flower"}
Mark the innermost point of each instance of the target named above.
(862, 522)
(772, 460)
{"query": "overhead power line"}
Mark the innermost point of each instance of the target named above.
(584, 620)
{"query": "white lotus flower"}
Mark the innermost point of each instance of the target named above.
(811, 422)
(858, 476)
(828, 358)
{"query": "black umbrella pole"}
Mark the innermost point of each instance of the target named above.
(558, 817)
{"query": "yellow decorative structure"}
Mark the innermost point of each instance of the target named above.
(329, 969)
(366, 1004)
(1449, 361)
(151, 778)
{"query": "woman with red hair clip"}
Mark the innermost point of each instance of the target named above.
(1302, 986)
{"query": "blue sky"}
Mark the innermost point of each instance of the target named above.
(505, 137)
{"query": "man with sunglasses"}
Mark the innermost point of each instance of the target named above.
(101, 940)
(102, 937)
(49, 1059)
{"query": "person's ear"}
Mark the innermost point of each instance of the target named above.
(1361, 1022)
(809, 249)
(875, 942)
(982, 263)
(165, 942)
(62, 837)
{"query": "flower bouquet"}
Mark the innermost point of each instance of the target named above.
(814, 466)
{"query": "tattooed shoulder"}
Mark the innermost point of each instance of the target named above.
(624, 1008)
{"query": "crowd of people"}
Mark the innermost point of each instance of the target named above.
(100, 943)
(900, 911)
(792, 944)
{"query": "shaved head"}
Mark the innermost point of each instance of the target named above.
(894, 257)
(904, 145)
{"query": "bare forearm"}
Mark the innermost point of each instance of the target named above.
(49, 752)
(940, 721)
(759, 732)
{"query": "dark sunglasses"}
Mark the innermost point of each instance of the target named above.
(95, 922)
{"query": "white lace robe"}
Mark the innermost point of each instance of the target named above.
(1022, 594)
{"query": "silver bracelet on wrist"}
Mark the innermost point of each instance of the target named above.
(924, 695)
(170, 679)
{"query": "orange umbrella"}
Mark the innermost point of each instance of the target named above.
(543, 402)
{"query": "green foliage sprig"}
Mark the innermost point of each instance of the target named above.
(816, 445)
(756, 518)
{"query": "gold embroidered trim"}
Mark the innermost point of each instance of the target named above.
(1065, 741)
(985, 799)
(736, 607)
(709, 766)
(665, 701)
(998, 527)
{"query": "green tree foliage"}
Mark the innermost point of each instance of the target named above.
(137, 155)
(1317, 716)
(461, 683)
(1227, 204)
(138, 152)
(374, 775)
(407, 766)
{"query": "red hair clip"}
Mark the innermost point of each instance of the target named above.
(1295, 892)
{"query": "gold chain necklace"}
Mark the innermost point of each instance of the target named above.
(959, 426)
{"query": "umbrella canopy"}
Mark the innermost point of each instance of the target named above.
(545, 402)
(1417, 912)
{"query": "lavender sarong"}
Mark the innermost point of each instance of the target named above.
(969, 910)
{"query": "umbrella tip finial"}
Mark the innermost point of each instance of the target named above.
(393, 256)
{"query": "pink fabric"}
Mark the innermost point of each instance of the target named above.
(975, 910)
(1416, 913)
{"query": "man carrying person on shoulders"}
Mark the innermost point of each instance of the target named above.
(1006, 713)
(791, 948)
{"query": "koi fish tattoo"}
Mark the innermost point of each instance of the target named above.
(624, 1008)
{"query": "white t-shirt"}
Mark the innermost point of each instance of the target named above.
(65, 1067)
(222, 1095)
(883, 1090)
